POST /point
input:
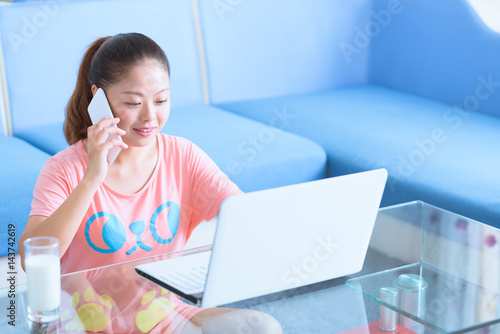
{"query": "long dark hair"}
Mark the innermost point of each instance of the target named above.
(108, 60)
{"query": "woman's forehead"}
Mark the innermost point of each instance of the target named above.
(148, 76)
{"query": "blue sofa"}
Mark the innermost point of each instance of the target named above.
(281, 92)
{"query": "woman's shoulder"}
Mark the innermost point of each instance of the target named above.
(64, 169)
(73, 155)
(179, 143)
(180, 149)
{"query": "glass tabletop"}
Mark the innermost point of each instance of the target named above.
(449, 279)
(461, 270)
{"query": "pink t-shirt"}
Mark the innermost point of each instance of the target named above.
(186, 187)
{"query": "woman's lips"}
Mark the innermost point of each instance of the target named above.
(145, 132)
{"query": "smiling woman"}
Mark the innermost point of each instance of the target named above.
(148, 202)
(489, 11)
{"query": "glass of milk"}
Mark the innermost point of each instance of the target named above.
(43, 273)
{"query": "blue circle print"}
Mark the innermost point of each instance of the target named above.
(113, 233)
(173, 221)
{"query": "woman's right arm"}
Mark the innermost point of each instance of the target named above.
(64, 222)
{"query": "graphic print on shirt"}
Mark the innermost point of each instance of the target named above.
(114, 234)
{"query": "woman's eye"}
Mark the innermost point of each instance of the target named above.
(132, 103)
(163, 101)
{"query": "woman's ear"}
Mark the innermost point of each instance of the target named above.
(94, 89)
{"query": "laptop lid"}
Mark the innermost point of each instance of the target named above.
(282, 238)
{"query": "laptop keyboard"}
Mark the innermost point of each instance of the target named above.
(188, 280)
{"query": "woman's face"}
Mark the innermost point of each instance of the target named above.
(142, 102)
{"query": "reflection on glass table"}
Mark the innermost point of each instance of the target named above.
(450, 279)
(111, 299)
(114, 299)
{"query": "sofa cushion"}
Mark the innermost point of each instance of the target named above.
(48, 137)
(433, 151)
(20, 165)
(254, 155)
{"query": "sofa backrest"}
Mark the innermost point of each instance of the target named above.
(263, 48)
(437, 49)
(42, 57)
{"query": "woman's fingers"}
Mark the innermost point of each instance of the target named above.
(116, 131)
(103, 134)
(105, 127)
(117, 143)
(98, 146)
(105, 122)
(103, 146)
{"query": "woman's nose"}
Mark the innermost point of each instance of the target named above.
(148, 112)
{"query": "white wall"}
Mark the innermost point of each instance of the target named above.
(489, 11)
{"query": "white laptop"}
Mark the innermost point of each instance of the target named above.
(278, 239)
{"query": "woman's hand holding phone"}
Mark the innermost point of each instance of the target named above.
(98, 147)
(103, 137)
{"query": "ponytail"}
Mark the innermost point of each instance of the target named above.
(77, 121)
(107, 61)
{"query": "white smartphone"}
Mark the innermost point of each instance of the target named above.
(99, 108)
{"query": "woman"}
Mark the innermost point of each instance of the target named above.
(155, 193)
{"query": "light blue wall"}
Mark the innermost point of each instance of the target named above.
(262, 48)
(440, 50)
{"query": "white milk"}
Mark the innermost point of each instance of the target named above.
(43, 273)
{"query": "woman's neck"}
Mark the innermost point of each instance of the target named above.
(133, 168)
(137, 156)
